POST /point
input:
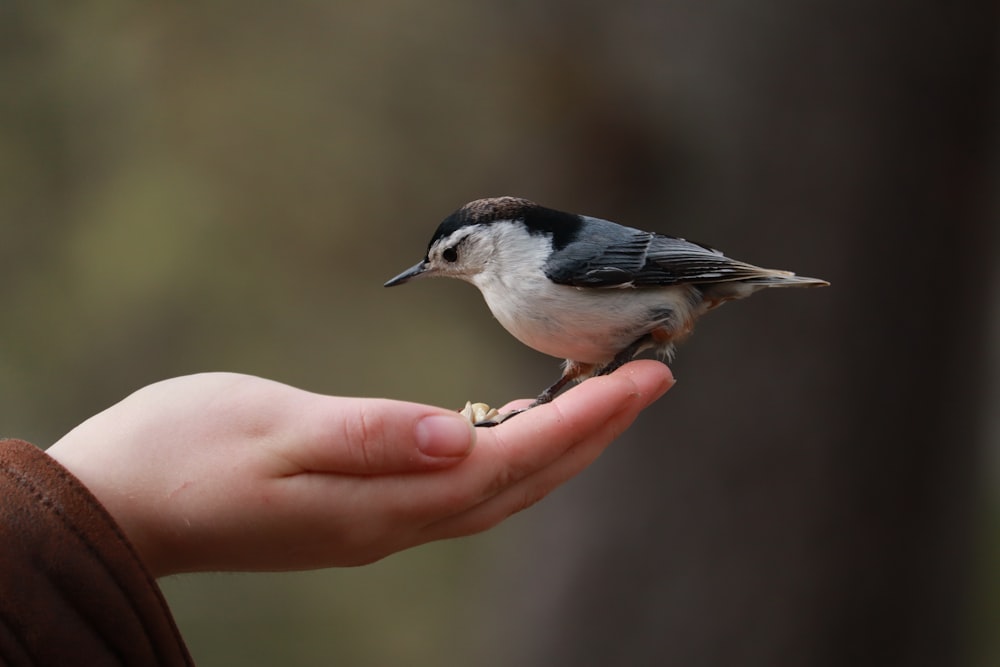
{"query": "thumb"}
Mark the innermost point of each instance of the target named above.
(370, 436)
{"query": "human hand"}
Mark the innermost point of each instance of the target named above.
(221, 471)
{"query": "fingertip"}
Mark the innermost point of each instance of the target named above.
(651, 378)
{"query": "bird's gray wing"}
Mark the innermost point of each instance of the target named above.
(614, 256)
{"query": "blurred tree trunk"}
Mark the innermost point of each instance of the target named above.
(805, 495)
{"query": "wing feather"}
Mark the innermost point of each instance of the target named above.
(616, 256)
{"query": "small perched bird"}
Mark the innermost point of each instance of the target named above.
(590, 291)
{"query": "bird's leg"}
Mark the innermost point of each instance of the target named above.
(573, 370)
(624, 356)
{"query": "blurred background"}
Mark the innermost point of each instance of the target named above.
(226, 186)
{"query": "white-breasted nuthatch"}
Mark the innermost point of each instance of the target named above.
(590, 291)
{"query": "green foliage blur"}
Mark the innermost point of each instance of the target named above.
(226, 186)
(187, 188)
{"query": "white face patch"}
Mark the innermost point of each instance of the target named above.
(444, 256)
(476, 253)
(517, 255)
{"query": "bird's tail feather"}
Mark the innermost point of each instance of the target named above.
(777, 278)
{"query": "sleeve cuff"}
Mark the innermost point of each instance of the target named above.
(72, 588)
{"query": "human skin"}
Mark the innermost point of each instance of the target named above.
(220, 471)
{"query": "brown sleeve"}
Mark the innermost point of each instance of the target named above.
(72, 589)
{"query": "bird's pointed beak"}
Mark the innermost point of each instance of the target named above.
(416, 270)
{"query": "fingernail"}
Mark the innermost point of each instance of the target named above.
(443, 436)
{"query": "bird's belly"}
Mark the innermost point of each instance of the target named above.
(591, 325)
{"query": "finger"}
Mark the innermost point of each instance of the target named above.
(518, 404)
(357, 436)
(579, 412)
(532, 441)
(632, 367)
(651, 383)
(499, 478)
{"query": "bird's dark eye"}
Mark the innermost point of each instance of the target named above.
(450, 254)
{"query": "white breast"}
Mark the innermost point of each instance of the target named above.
(588, 325)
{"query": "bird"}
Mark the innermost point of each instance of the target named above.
(580, 288)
